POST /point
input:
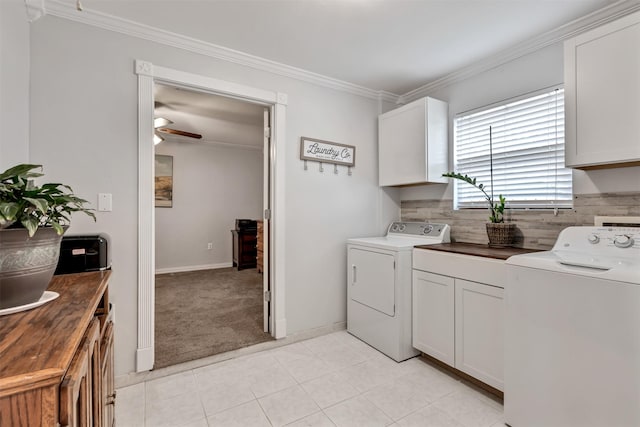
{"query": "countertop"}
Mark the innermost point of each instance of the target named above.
(36, 346)
(477, 249)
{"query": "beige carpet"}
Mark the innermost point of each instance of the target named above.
(202, 313)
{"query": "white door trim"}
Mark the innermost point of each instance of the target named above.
(266, 206)
(148, 74)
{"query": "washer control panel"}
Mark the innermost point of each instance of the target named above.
(417, 229)
(603, 240)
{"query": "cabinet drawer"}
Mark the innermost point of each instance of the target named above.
(249, 245)
(468, 267)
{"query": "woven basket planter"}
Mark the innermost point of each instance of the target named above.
(501, 234)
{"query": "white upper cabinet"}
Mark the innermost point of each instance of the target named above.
(602, 96)
(412, 143)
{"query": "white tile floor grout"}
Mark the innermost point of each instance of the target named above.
(332, 380)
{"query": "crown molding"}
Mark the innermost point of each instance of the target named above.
(108, 22)
(35, 9)
(600, 17)
(67, 11)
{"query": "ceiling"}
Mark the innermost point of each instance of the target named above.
(384, 45)
(390, 45)
(218, 119)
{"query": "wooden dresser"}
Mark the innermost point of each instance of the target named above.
(56, 360)
(260, 247)
(244, 248)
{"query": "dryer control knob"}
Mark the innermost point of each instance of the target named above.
(623, 241)
(593, 239)
(402, 228)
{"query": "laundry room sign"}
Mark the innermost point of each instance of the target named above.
(327, 152)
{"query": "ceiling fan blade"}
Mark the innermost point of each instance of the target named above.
(181, 133)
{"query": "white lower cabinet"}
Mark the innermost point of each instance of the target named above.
(460, 323)
(433, 315)
(479, 331)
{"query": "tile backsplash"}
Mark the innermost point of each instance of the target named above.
(536, 228)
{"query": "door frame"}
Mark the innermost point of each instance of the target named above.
(149, 74)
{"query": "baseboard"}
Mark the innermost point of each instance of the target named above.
(193, 268)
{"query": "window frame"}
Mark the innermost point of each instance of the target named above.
(481, 203)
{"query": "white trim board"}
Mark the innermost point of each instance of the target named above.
(148, 75)
(68, 11)
(187, 268)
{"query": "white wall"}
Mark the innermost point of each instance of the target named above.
(84, 129)
(532, 72)
(212, 186)
(14, 84)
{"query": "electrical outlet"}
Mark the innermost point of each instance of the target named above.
(209, 246)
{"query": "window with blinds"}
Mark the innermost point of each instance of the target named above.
(520, 143)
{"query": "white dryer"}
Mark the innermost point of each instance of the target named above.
(572, 342)
(379, 285)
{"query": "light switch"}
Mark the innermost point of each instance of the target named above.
(104, 202)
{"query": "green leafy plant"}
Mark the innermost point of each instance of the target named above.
(497, 209)
(23, 204)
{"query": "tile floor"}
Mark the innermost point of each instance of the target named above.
(332, 380)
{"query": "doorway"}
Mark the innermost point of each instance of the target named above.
(273, 270)
(210, 180)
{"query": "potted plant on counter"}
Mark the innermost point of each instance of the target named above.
(500, 233)
(32, 221)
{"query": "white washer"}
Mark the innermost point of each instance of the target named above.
(572, 341)
(379, 285)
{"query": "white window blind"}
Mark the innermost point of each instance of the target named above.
(524, 139)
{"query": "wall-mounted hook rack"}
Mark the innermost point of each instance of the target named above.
(327, 152)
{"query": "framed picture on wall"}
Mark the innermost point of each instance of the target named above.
(164, 181)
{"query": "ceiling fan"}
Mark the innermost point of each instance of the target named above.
(160, 124)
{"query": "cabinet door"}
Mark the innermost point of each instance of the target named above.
(95, 369)
(602, 90)
(77, 388)
(413, 144)
(433, 315)
(108, 394)
(480, 331)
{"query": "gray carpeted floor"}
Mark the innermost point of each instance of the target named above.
(202, 313)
